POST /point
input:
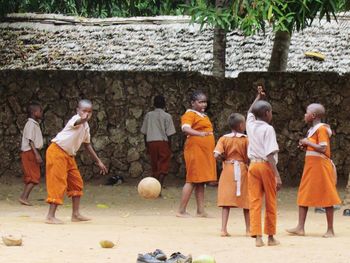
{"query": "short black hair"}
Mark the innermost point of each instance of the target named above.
(234, 120)
(32, 106)
(260, 108)
(159, 101)
(196, 94)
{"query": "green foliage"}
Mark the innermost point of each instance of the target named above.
(95, 8)
(252, 15)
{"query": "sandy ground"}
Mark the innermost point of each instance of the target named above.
(140, 226)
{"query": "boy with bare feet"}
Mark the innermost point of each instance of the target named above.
(32, 142)
(263, 176)
(318, 183)
(231, 149)
(62, 173)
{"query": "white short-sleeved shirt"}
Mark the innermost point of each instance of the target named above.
(71, 137)
(262, 139)
(31, 132)
(158, 125)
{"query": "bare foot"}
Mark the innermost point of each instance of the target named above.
(24, 201)
(53, 221)
(247, 233)
(204, 214)
(79, 218)
(183, 215)
(273, 242)
(296, 231)
(329, 233)
(224, 234)
(259, 242)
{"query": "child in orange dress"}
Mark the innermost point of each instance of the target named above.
(233, 184)
(198, 153)
(318, 183)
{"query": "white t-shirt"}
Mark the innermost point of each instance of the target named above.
(262, 139)
(31, 132)
(71, 137)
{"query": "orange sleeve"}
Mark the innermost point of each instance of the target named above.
(322, 136)
(219, 148)
(187, 119)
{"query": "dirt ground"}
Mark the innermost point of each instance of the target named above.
(140, 226)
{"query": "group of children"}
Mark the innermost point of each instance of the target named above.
(249, 162)
(62, 173)
(249, 171)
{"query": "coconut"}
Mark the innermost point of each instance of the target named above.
(10, 240)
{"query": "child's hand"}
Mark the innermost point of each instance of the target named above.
(103, 168)
(38, 159)
(304, 142)
(301, 147)
(261, 92)
(278, 183)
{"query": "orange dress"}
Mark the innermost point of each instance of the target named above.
(318, 186)
(234, 148)
(198, 151)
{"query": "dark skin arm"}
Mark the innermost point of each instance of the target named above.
(36, 153)
(189, 131)
(219, 157)
(91, 151)
(261, 95)
(84, 117)
(272, 162)
(318, 148)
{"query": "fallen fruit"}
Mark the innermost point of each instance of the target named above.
(10, 240)
(204, 259)
(106, 244)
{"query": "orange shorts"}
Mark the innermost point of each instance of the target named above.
(62, 175)
(30, 167)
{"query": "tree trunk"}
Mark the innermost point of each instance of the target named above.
(280, 50)
(219, 47)
(219, 52)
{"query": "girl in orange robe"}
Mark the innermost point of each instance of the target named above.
(233, 184)
(318, 183)
(198, 153)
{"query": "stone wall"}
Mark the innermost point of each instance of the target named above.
(122, 98)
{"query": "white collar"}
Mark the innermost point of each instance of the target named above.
(313, 129)
(235, 134)
(197, 112)
(32, 120)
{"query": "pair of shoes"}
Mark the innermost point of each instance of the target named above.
(320, 210)
(154, 257)
(116, 179)
(177, 257)
(346, 212)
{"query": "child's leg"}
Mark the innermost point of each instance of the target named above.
(199, 192)
(26, 191)
(225, 214)
(185, 198)
(51, 216)
(255, 190)
(299, 230)
(247, 221)
(330, 216)
(76, 216)
(75, 191)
